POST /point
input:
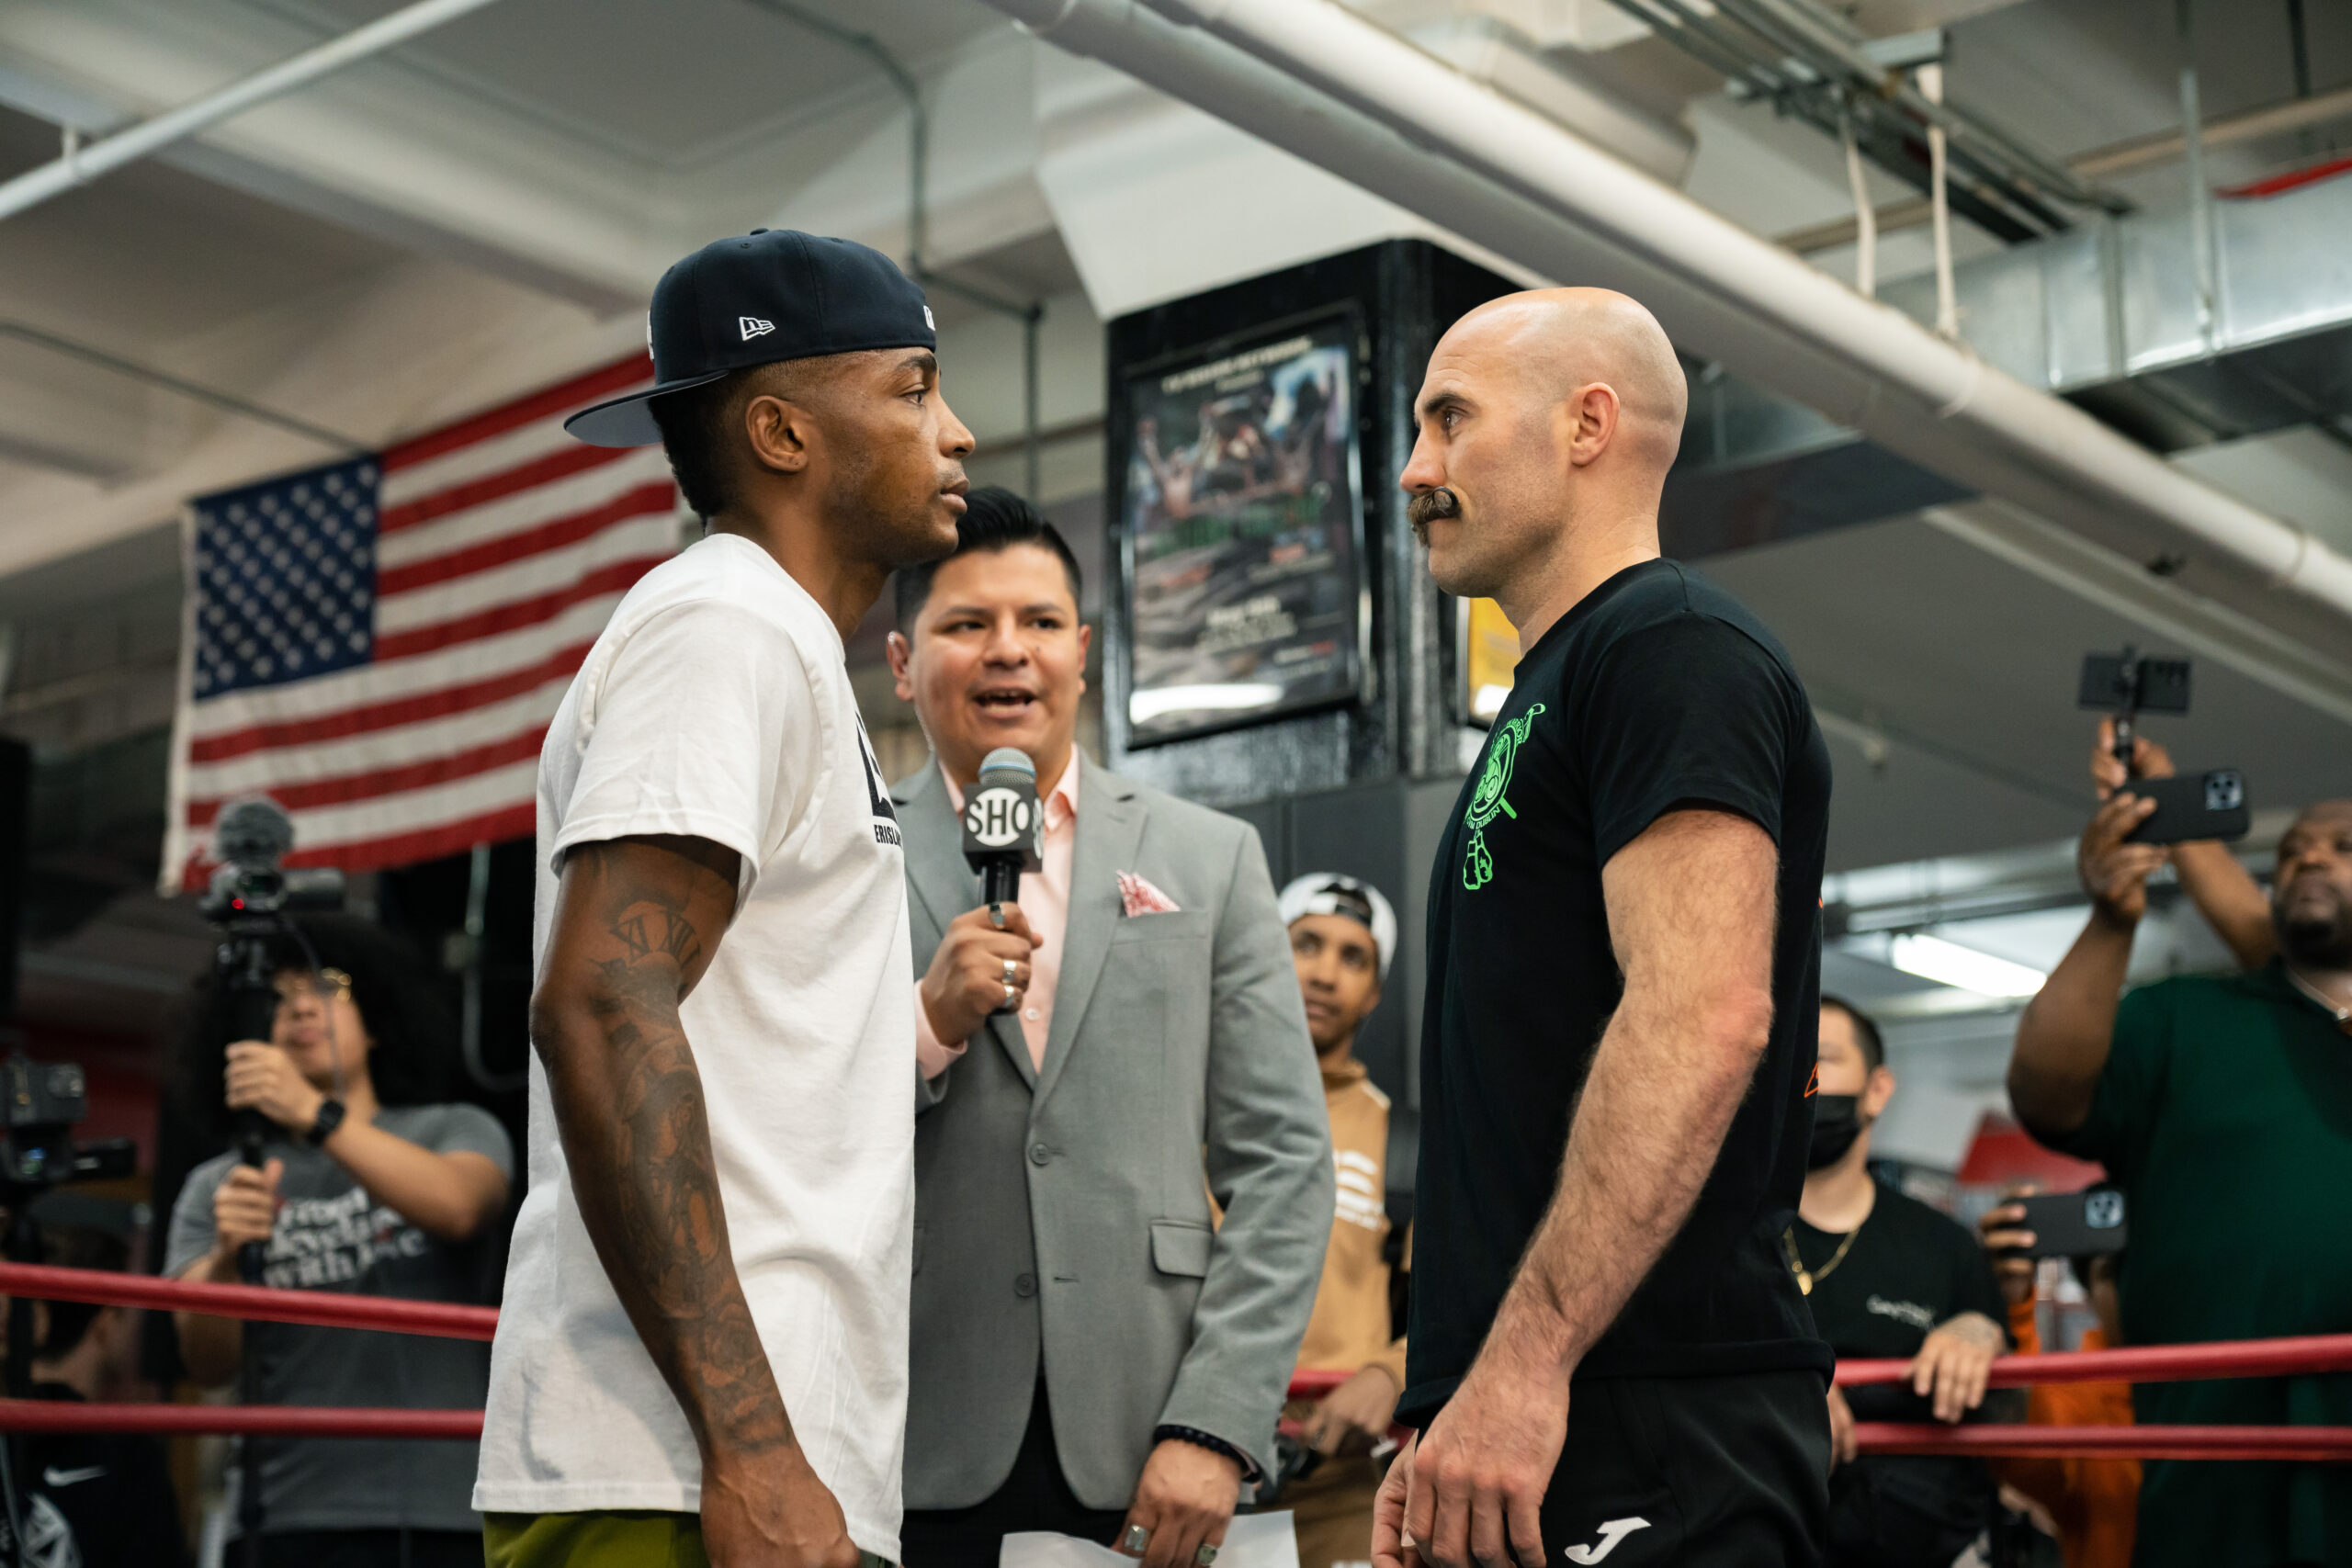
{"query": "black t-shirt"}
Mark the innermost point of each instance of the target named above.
(1657, 691)
(96, 1499)
(1910, 1270)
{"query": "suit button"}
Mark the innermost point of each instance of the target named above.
(1039, 1154)
(1026, 1286)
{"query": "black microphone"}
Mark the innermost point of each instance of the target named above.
(1003, 827)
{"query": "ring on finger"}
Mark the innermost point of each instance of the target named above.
(1206, 1556)
(1137, 1538)
(1011, 996)
(1011, 971)
(996, 916)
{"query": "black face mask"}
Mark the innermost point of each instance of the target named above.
(1836, 1123)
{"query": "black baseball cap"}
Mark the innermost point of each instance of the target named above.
(755, 298)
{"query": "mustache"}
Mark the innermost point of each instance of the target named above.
(1428, 507)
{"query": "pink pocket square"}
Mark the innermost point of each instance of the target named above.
(1137, 896)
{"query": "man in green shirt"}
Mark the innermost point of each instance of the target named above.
(2223, 1109)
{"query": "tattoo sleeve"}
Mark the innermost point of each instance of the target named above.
(636, 922)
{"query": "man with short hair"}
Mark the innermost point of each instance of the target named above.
(1092, 1354)
(1888, 1277)
(1343, 936)
(702, 1354)
(2221, 1105)
(1609, 1356)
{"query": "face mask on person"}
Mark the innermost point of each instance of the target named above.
(1836, 1123)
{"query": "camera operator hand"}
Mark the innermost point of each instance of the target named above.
(245, 1208)
(2149, 760)
(967, 976)
(262, 1076)
(2115, 873)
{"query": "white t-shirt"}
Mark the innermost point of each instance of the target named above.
(716, 705)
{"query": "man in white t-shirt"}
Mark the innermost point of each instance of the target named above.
(702, 1351)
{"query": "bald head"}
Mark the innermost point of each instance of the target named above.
(1547, 423)
(1556, 342)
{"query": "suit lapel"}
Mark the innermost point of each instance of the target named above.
(944, 884)
(1110, 827)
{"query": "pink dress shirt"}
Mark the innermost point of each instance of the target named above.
(1045, 898)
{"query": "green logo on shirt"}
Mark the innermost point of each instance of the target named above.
(1486, 800)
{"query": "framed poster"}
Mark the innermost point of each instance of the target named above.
(1242, 542)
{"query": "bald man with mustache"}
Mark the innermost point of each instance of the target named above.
(1609, 1359)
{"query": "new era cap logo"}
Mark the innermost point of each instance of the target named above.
(753, 327)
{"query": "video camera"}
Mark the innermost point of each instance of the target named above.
(251, 838)
(44, 1103)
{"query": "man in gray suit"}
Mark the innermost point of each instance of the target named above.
(1094, 1351)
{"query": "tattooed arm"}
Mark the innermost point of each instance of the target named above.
(635, 923)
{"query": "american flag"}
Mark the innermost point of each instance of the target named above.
(378, 644)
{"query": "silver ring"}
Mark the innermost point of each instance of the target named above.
(1137, 1538)
(996, 916)
(1011, 971)
(1206, 1556)
(1011, 997)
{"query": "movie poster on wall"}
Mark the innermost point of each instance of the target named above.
(1243, 531)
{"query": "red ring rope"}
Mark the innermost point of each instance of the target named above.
(232, 1420)
(2149, 1364)
(324, 1309)
(2145, 1363)
(2306, 1443)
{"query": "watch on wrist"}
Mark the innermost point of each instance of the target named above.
(330, 1117)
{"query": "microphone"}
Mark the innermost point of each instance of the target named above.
(1003, 826)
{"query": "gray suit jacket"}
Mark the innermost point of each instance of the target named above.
(1062, 1220)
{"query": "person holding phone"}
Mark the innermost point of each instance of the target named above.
(2091, 1501)
(2221, 1107)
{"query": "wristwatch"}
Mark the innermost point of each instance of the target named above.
(330, 1117)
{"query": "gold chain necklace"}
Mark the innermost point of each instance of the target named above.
(2343, 1014)
(1806, 1279)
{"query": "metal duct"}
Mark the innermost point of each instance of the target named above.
(1407, 127)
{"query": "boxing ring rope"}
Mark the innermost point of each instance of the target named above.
(318, 1309)
(2161, 1363)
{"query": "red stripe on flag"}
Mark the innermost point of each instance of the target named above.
(558, 399)
(557, 465)
(437, 704)
(647, 499)
(425, 844)
(377, 782)
(614, 579)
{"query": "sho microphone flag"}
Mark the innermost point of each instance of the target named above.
(378, 644)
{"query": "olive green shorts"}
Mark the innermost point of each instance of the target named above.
(607, 1540)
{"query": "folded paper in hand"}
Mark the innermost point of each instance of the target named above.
(1252, 1540)
(1137, 896)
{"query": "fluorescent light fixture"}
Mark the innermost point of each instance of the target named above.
(1238, 695)
(1933, 958)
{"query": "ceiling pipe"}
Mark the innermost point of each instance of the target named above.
(82, 164)
(1406, 126)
